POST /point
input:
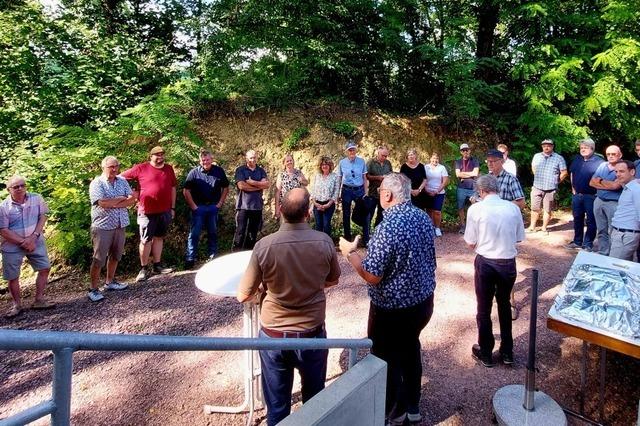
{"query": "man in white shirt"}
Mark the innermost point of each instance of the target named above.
(625, 225)
(494, 227)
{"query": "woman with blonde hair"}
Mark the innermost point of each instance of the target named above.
(289, 178)
(414, 170)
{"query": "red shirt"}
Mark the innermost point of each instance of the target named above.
(155, 187)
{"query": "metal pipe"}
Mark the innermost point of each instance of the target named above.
(353, 357)
(29, 415)
(530, 378)
(52, 340)
(62, 372)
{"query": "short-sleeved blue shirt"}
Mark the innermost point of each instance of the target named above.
(401, 251)
(249, 200)
(206, 185)
(352, 172)
(603, 172)
(582, 171)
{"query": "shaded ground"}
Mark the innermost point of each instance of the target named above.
(171, 388)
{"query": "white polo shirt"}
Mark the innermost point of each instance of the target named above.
(495, 226)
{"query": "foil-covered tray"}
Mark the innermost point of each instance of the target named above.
(602, 294)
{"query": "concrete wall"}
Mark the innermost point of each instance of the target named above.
(356, 398)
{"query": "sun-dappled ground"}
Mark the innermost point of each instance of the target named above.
(170, 388)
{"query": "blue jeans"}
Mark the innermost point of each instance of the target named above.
(277, 377)
(207, 217)
(349, 195)
(582, 205)
(323, 219)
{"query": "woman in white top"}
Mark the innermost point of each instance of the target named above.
(437, 180)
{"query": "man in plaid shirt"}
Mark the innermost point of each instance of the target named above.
(509, 188)
(549, 169)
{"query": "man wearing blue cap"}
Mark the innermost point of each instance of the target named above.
(352, 171)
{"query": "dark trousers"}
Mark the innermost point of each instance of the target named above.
(582, 205)
(379, 213)
(248, 224)
(323, 219)
(396, 339)
(277, 377)
(350, 195)
(494, 277)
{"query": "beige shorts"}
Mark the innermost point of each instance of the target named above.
(107, 243)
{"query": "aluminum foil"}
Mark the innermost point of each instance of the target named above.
(601, 297)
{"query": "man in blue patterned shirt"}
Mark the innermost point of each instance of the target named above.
(110, 196)
(399, 269)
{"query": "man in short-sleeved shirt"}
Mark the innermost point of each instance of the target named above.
(625, 225)
(549, 169)
(608, 190)
(352, 171)
(156, 209)
(22, 218)
(467, 169)
(205, 191)
(399, 268)
(509, 187)
(110, 195)
(581, 170)
(251, 181)
(377, 169)
(294, 265)
(494, 227)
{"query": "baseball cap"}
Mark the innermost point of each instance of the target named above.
(494, 153)
(464, 146)
(546, 141)
(156, 150)
(350, 145)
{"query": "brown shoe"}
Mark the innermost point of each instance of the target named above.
(43, 304)
(14, 312)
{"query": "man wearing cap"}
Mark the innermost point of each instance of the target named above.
(110, 195)
(156, 209)
(608, 190)
(251, 181)
(205, 191)
(509, 165)
(377, 168)
(509, 187)
(549, 169)
(294, 305)
(581, 170)
(22, 218)
(467, 170)
(625, 225)
(352, 171)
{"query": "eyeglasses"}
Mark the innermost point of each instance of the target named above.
(113, 167)
(353, 175)
(611, 153)
(22, 185)
(463, 150)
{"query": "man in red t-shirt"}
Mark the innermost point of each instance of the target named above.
(156, 208)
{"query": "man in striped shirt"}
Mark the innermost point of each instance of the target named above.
(22, 218)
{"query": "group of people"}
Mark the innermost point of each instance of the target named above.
(399, 263)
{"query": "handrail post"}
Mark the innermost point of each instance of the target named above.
(353, 357)
(62, 375)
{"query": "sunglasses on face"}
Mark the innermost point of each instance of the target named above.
(464, 150)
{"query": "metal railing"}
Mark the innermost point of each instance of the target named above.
(64, 344)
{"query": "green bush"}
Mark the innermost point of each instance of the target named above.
(344, 128)
(291, 143)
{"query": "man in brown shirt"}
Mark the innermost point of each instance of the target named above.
(294, 265)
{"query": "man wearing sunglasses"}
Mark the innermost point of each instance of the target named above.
(22, 218)
(156, 209)
(352, 171)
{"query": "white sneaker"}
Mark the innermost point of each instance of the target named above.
(115, 285)
(438, 232)
(414, 418)
(95, 295)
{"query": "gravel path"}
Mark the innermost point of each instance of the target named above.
(171, 387)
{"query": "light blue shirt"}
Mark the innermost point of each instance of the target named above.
(627, 215)
(548, 168)
(603, 171)
(352, 172)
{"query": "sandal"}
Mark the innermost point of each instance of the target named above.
(43, 304)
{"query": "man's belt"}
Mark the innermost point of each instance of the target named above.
(279, 334)
(352, 187)
(626, 230)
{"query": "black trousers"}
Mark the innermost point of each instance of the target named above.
(494, 277)
(248, 224)
(396, 339)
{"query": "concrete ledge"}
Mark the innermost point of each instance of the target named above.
(356, 398)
